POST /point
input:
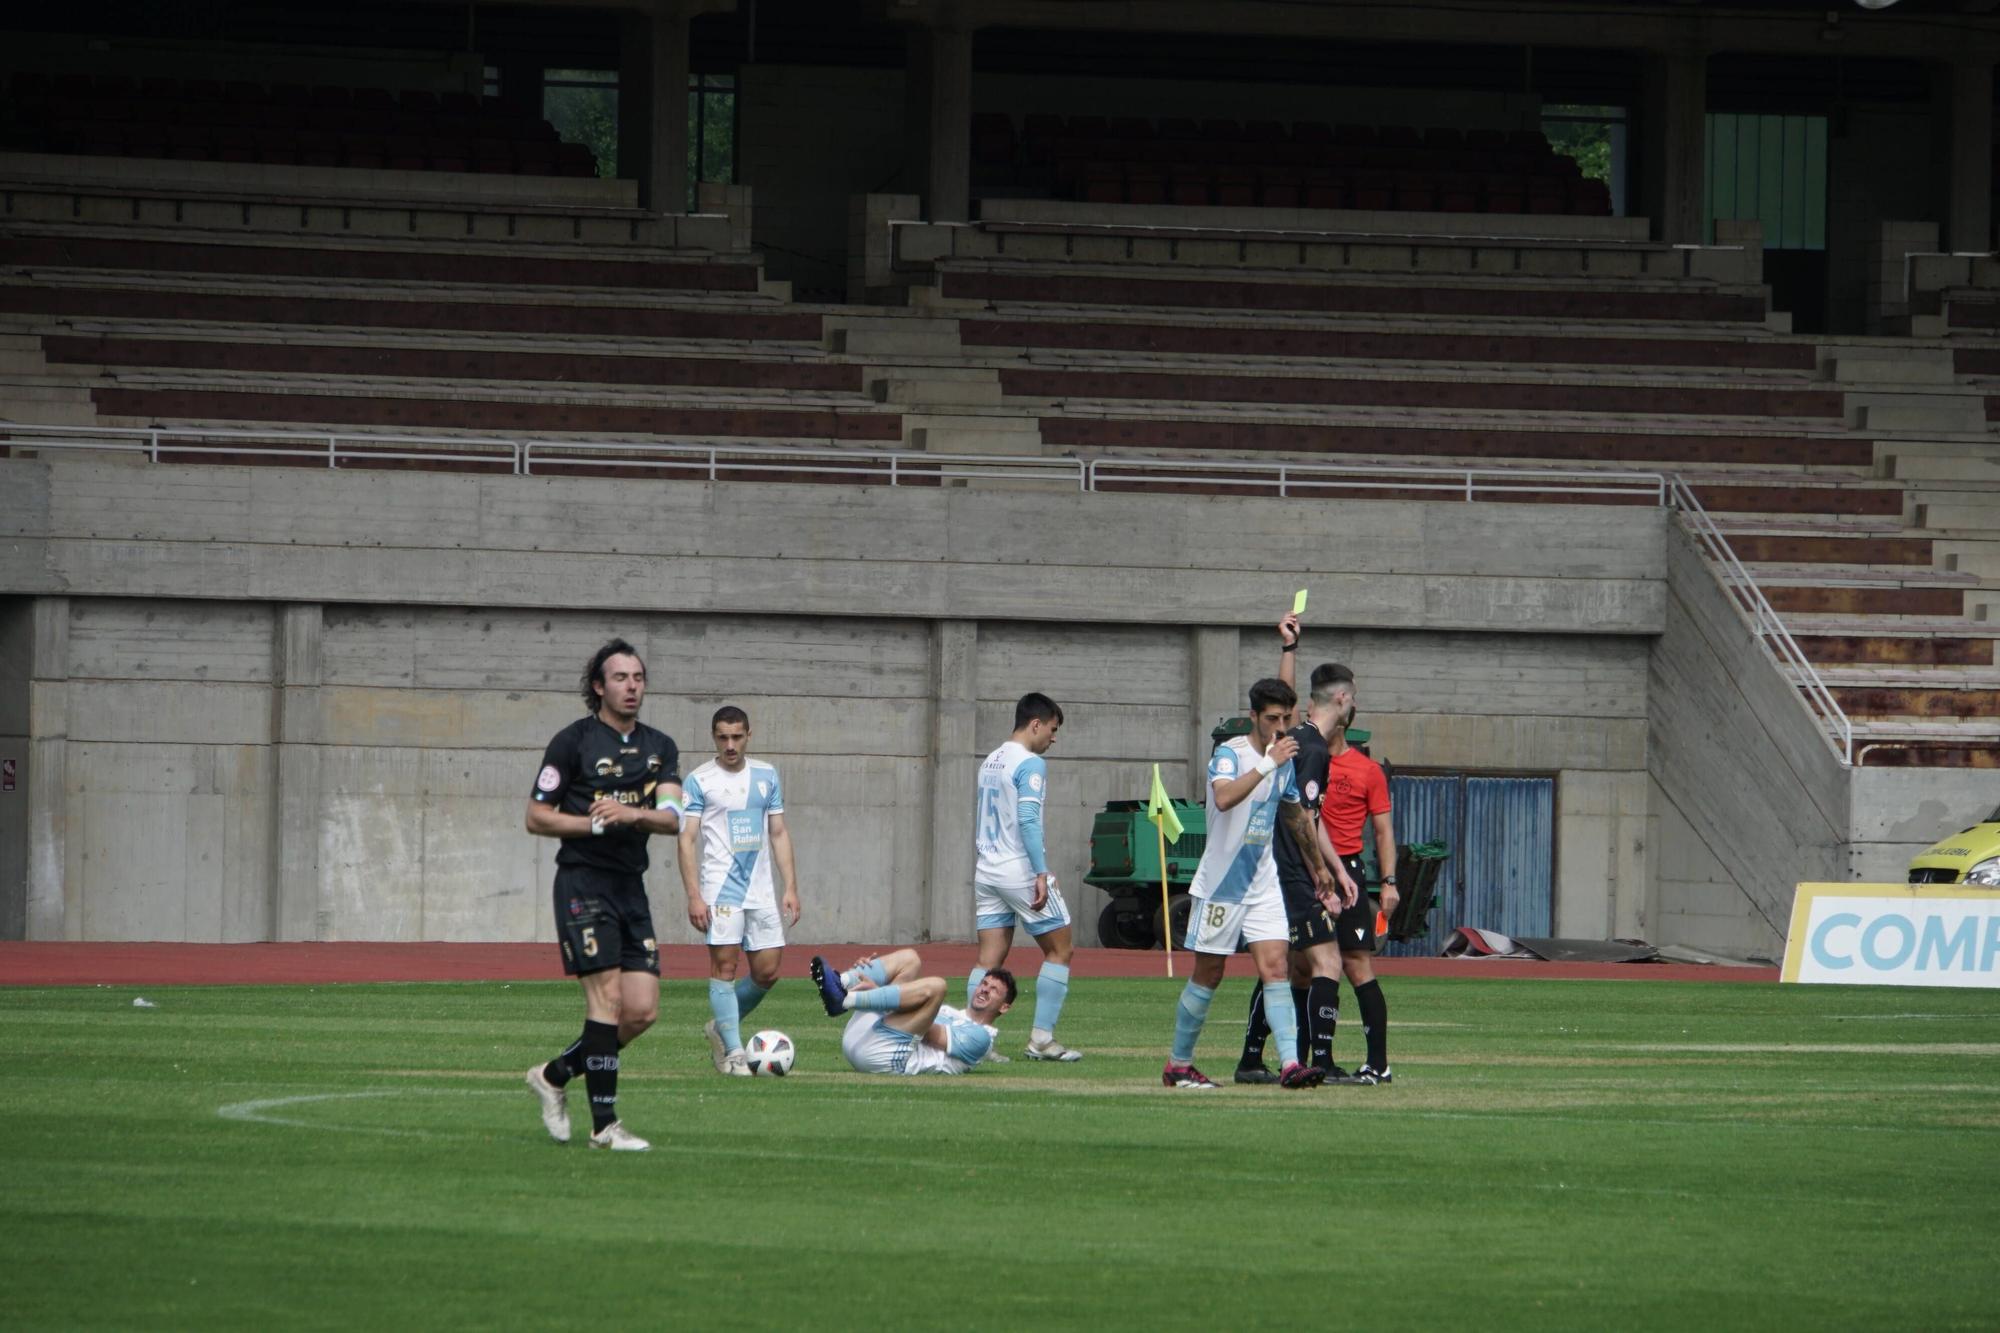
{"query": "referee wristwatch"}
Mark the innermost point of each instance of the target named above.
(1388, 879)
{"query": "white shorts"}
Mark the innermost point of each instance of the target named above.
(873, 1047)
(755, 928)
(1220, 927)
(997, 909)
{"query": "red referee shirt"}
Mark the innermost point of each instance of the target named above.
(1355, 789)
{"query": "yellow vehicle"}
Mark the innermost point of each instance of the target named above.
(1971, 857)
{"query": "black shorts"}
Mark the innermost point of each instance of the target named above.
(604, 921)
(1356, 925)
(1315, 927)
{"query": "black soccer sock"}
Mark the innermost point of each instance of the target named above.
(1299, 1013)
(1374, 1023)
(1323, 1009)
(600, 1072)
(1255, 1032)
(568, 1065)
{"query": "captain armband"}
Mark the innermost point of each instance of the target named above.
(667, 800)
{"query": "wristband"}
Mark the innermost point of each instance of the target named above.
(1288, 648)
(1266, 766)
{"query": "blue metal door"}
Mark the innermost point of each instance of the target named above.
(1501, 832)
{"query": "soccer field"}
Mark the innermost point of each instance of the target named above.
(1574, 1154)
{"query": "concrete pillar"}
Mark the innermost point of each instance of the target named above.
(1675, 143)
(1969, 210)
(945, 910)
(298, 729)
(49, 913)
(653, 104)
(938, 118)
(16, 673)
(1219, 692)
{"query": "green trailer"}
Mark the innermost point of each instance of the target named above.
(1125, 863)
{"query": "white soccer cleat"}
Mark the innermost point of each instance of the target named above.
(618, 1138)
(1052, 1050)
(555, 1104)
(736, 1065)
(716, 1050)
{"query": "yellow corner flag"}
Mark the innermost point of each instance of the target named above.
(1160, 810)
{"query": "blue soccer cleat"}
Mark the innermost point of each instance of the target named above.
(832, 993)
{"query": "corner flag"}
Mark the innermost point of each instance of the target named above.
(1160, 809)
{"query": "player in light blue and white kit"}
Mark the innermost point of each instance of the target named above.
(1011, 881)
(898, 1022)
(1236, 895)
(732, 831)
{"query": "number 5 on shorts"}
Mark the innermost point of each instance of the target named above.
(590, 941)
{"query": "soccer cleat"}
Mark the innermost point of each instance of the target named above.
(993, 1057)
(1185, 1076)
(716, 1050)
(1052, 1050)
(736, 1065)
(832, 993)
(1369, 1074)
(1296, 1075)
(1335, 1074)
(1256, 1073)
(618, 1138)
(555, 1104)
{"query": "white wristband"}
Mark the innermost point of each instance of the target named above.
(1266, 766)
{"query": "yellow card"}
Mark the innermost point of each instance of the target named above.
(1299, 603)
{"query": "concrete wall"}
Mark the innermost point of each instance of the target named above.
(1889, 165)
(245, 748)
(1751, 799)
(1897, 812)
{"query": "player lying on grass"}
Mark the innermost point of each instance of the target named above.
(898, 1021)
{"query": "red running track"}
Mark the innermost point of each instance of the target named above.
(86, 964)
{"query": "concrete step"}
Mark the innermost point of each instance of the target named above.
(965, 433)
(1972, 731)
(1860, 676)
(1963, 555)
(888, 339)
(41, 405)
(1894, 627)
(1938, 460)
(942, 387)
(1886, 366)
(1918, 413)
(1968, 513)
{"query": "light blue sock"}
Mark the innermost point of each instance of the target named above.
(886, 999)
(1284, 1020)
(748, 996)
(1193, 1012)
(1051, 989)
(873, 970)
(728, 1020)
(972, 981)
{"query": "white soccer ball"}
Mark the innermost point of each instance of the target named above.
(770, 1052)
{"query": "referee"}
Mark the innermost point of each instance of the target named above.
(608, 782)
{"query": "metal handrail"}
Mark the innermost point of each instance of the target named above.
(1777, 641)
(1465, 482)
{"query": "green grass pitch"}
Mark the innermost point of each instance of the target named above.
(1552, 1154)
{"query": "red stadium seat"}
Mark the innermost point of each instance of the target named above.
(1236, 187)
(1280, 188)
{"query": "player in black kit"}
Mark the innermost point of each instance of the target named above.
(1315, 956)
(608, 781)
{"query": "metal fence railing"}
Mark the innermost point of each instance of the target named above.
(1777, 641)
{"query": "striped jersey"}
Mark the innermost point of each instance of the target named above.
(1236, 864)
(735, 811)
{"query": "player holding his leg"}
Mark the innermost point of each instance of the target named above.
(735, 814)
(1251, 786)
(1315, 951)
(898, 1022)
(608, 782)
(1012, 880)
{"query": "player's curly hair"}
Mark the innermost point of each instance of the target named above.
(593, 675)
(1006, 977)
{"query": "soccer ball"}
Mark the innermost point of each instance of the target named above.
(770, 1053)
